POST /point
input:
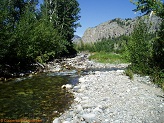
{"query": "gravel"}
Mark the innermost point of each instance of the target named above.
(109, 96)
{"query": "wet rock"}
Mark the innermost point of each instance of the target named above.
(76, 88)
(67, 86)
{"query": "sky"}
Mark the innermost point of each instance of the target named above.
(94, 12)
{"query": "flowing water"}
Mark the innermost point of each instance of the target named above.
(37, 98)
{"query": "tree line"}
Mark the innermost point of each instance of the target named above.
(29, 33)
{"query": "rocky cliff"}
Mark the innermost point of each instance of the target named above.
(117, 27)
(76, 39)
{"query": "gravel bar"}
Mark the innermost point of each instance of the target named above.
(109, 96)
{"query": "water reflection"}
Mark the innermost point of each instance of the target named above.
(39, 97)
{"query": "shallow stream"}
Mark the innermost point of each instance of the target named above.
(37, 97)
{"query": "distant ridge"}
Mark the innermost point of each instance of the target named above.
(76, 39)
(117, 27)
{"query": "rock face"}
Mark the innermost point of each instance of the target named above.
(117, 27)
(76, 39)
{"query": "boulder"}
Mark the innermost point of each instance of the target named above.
(67, 86)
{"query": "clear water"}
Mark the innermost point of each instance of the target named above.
(39, 97)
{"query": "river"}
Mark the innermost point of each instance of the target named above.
(39, 97)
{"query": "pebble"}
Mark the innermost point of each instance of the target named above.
(111, 97)
(88, 116)
(66, 122)
(76, 88)
(79, 108)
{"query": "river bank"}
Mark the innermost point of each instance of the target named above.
(78, 63)
(106, 95)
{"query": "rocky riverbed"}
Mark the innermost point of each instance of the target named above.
(107, 95)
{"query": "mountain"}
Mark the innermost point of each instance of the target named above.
(76, 39)
(117, 27)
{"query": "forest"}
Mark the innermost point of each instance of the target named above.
(30, 32)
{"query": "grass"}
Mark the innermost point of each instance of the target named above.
(113, 58)
(104, 57)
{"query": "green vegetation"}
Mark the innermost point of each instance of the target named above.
(129, 73)
(118, 21)
(144, 50)
(106, 50)
(139, 48)
(115, 45)
(105, 57)
(29, 35)
(154, 58)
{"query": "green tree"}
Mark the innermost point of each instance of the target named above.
(13, 23)
(47, 43)
(4, 26)
(156, 7)
(29, 35)
(146, 6)
(12, 15)
(139, 48)
(64, 16)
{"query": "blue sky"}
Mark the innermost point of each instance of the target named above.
(94, 12)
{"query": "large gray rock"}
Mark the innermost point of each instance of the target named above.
(117, 27)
